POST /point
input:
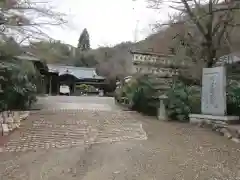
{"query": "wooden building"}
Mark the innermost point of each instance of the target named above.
(53, 75)
(73, 77)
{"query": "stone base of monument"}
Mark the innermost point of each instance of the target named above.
(209, 119)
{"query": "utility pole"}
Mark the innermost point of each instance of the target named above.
(136, 32)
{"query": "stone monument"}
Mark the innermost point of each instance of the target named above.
(213, 101)
(213, 98)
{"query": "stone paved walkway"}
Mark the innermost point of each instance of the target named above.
(69, 128)
(107, 143)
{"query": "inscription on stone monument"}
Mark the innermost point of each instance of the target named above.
(214, 91)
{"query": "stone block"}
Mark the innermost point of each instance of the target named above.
(1, 119)
(238, 131)
(208, 121)
(9, 121)
(5, 129)
(16, 117)
(24, 116)
(4, 115)
(213, 119)
(215, 127)
(194, 120)
(17, 125)
(14, 126)
(236, 140)
(226, 133)
(201, 124)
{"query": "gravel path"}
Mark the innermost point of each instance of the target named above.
(87, 144)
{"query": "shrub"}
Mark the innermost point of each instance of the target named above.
(143, 96)
(18, 80)
(83, 88)
(233, 98)
(137, 93)
(130, 88)
(183, 100)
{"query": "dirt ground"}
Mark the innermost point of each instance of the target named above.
(88, 142)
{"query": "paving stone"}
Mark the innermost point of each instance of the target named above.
(5, 129)
(65, 129)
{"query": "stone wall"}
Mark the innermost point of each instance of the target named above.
(10, 120)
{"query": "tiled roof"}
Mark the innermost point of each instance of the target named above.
(78, 72)
(149, 53)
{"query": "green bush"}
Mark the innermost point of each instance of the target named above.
(183, 100)
(129, 89)
(86, 88)
(233, 98)
(18, 80)
(143, 96)
(139, 94)
(83, 88)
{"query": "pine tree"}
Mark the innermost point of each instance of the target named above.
(84, 41)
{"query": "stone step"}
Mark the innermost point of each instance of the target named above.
(231, 132)
(209, 119)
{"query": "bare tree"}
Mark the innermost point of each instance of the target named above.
(26, 19)
(208, 23)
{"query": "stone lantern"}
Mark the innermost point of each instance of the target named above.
(162, 115)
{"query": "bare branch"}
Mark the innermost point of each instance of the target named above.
(211, 20)
(28, 18)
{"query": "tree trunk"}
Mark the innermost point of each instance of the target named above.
(211, 55)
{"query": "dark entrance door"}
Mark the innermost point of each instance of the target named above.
(69, 80)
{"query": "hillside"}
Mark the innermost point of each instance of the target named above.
(116, 61)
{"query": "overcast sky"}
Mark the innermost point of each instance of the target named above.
(108, 21)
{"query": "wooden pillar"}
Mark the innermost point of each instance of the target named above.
(50, 85)
(74, 85)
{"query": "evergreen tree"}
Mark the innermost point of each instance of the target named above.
(84, 41)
